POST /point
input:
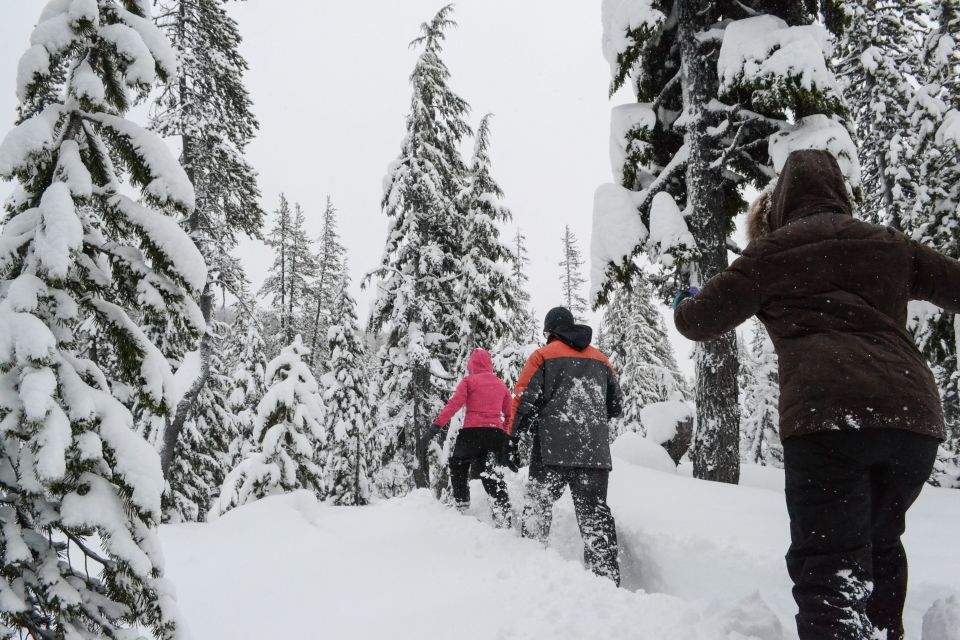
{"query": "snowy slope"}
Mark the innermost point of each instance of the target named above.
(701, 561)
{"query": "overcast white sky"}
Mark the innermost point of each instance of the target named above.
(329, 83)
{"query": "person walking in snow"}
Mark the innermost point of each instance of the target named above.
(566, 395)
(480, 449)
(860, 414)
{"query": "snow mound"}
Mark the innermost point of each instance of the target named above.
(660, 419)
(694, 555)
(942, 620)
(634, 449)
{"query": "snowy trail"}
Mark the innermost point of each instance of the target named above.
(708, 558)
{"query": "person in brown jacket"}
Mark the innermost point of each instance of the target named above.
(860, 413)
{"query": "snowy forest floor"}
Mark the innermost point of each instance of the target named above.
(700, 560)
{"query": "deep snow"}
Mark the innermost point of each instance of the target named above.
(700, 560)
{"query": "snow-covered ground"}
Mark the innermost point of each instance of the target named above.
(700, 561)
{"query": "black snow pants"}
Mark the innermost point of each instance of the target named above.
(847, 495)
(588, 487)
(479, 455)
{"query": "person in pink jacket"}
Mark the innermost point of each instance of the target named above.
(480, 449)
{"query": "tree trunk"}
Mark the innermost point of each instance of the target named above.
(421, 383)
(715, 451)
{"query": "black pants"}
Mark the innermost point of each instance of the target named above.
(589, 490)
(478, 455)
(847, 495)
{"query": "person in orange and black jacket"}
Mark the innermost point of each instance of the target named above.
(860, 413)
(566, 395)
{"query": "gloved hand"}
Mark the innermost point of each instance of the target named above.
(511, 454)
(689, 292)
(429, 434)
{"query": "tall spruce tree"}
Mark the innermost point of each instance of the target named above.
(725, 90)
(571, 276)
(209, 110)
(289, 433)
(876, 62)
(290, 277)
(522, 335)
(760, 426)
(640, 351)
(347, 397)
(325, 289)
(415, 306)
(80, 490)
(485, 296)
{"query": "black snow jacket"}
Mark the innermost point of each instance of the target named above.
(568, 392)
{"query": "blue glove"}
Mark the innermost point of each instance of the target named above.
(689, 292)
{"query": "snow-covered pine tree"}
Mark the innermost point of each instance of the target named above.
(876, 62)
(209, 110)
(347, 397)
(325, 289)
(522, 335)
(760, 426)
(247, 353)
(415, 305)
(935, 121)
(202, 457)
(571, 276)
(289, 432)
(485, 296)
(724, 91)
(80, 490)
(640, 351)
(294, 269)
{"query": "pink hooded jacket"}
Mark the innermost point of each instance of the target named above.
(487, 398)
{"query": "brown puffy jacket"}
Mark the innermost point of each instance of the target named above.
(832, 292)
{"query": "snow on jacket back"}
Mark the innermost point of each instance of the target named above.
(486, 397)
(567, 393)
(832, 292)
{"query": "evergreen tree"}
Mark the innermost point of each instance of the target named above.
(294, 269)
(209, 110)
(248, 362)
(325, 289)
(415, 305)
(760, 431)
(80, 490)
(876, 62)
(640, 351)
(289, 432)
(571, 276)
(724, 90)
(203, 455)
(522, 334)
(935, 112)
(346, 393)
(485, 295)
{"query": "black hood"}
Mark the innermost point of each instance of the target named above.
(577, 336)
(811, 182)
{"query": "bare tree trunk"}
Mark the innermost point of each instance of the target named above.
(715, 451)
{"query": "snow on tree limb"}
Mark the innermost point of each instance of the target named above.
(165, 180)
(818, 132)
(28, 140)
(617, 230)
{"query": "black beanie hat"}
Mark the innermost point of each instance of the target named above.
(558, 319)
